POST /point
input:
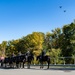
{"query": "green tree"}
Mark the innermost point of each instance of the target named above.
(66, 41)
(55, 37)
(3, 47)
(34, 42)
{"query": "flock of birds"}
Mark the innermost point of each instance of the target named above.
(61, 8)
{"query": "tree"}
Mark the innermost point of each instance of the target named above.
(68, 32)
(3, 47)
(48, 41)
(34, 42)
(55, 37)
(54, 55)
(12, 46)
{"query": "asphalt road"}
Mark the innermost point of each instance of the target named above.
(37, 71)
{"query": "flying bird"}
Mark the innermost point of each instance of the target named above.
(64, 10)
(60, 6)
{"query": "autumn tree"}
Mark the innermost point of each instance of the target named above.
(34, 42)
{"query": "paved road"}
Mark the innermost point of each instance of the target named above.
(37, 71)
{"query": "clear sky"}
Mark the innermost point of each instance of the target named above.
(19, 18)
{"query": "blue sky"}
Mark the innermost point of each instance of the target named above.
(19, 18)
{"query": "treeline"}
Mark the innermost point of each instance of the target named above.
(60, 42)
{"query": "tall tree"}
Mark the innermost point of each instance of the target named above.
(34, 42)
(3, 45)
(55, 37)
(66, 42)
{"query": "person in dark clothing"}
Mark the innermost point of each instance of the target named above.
(18, 60)
(43, 53)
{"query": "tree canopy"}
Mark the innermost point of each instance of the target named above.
(60, 42)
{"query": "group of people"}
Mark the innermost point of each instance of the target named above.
(27, 57)
(27, 54)
(19, 53)
(43, 53)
